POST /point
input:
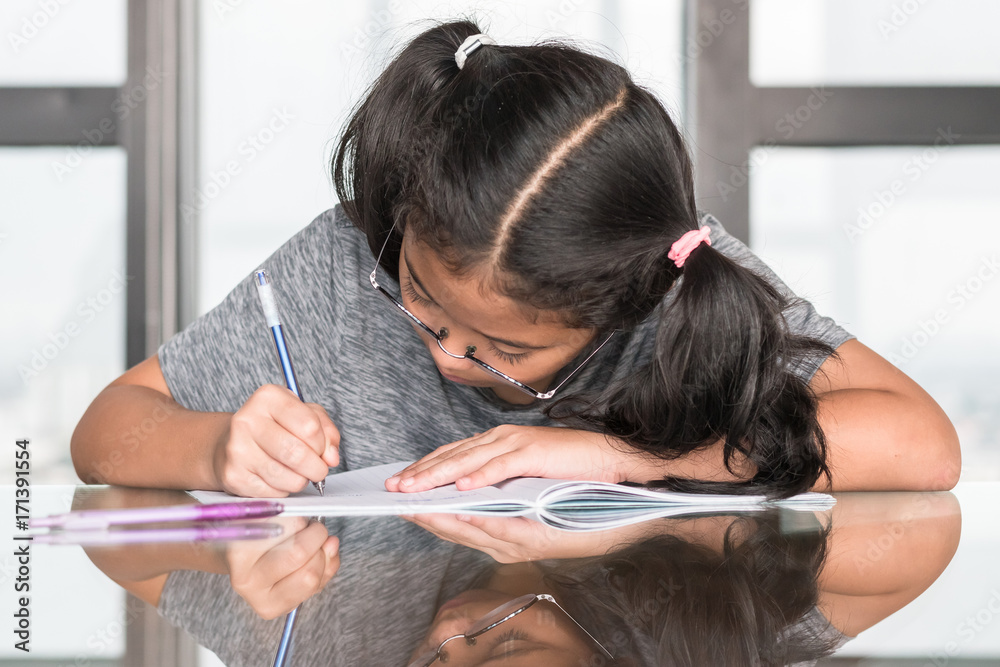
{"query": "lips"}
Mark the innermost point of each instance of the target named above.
(457, 380)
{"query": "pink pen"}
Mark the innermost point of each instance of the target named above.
(95, 519)
(209, 533)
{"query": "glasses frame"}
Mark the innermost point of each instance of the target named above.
(470, 350)
(426, 660)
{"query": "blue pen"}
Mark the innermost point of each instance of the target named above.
(274, 322)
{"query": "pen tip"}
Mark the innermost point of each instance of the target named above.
(321, 487)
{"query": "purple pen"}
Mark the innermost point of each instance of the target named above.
(147, 536)
(95, 519)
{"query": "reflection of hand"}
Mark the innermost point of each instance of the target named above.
(516, 539)
(511, 451)
(276, 575)
(274, 445)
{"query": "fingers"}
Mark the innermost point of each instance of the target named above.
(275, 445)
(525, 462)
(308, 430)
(307, 580)
(506, 539)
(442, 451)
(473, 467)
(288, 572)
(443, 465)
(331, 452)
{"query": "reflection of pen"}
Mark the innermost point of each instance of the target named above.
(96, 519)
(147, 536)
(274, 322)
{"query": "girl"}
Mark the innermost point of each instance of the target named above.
(517, 282)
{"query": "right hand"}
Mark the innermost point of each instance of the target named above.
(274, 576)
(275, 445)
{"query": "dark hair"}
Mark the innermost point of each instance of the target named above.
(549, 168)
(667, 601)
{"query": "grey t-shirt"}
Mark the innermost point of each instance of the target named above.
(374, 376)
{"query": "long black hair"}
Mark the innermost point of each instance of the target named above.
(667, 601)
(550, 170)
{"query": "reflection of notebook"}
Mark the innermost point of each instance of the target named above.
(561, 503)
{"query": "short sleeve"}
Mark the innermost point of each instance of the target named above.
(801, 316)
(226, 354)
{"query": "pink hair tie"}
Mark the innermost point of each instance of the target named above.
(683, 246)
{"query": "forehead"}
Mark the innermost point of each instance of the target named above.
(472, 293)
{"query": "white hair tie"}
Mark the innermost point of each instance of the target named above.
(469, 46)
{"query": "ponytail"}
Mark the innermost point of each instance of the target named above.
(722, 370)
(388, 132)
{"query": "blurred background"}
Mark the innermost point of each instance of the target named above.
(153, 152)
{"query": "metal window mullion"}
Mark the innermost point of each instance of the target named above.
(151, 134)
(57, 116)
(867, 116)
(721, 110)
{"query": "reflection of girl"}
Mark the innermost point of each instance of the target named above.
(524, 205)
(761, 589)
(718, 590)
(714, 591)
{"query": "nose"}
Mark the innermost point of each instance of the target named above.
(442, 335)
(450, 626)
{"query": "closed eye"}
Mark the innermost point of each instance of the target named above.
(412, 293)
(508, 357)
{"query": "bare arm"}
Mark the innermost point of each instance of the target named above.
(884, 551)
(135, 434)
(884, 432)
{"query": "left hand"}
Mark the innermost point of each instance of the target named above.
(509, 451)
(511, 539)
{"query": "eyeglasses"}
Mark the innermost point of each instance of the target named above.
(470, 350)
(502, 613)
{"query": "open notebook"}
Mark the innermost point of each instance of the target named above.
(564, 504)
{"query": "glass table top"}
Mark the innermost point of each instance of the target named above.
(902, 578)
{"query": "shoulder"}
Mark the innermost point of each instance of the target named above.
(328, 246)
(330, 227)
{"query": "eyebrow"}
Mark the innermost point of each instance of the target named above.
(504, 341)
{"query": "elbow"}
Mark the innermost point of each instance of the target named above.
(77, 452)
(943, 461)
(82, 449)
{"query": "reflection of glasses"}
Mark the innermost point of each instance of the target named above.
(502, 613)
(442, 333)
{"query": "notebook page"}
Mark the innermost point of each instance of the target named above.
(362, 491)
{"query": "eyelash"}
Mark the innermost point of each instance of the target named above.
(412, 293)
(510, 635)
(507, 357)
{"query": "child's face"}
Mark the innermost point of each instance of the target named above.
(529, 346)
(542, 634)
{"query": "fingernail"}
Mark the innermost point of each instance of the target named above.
(407, 482)
(463, 517)
(392, 479)
(462, 480)
(332, 547)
